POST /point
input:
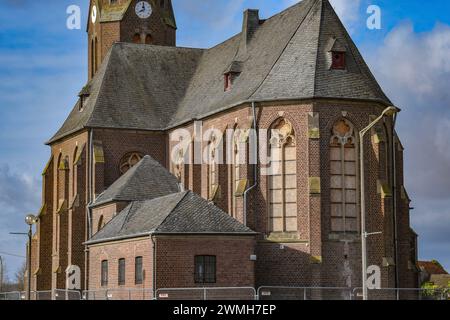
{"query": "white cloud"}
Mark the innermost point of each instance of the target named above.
(348, 10)
(19, 194)
(414, 70)
(442, 139)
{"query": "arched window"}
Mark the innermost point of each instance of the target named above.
(343, 169)
(92, 58)
(283, 178)
(96, 56)
(239, 159)
(148, 39)
(129, 161)
(137, 38)
(213, 169)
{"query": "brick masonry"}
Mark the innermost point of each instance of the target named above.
(314, 257)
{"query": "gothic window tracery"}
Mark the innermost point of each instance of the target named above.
(129, 161)
(283, 178)
(213, 168)
(343, 169)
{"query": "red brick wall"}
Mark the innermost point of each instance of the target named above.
(114, 251)
(117, 143)
(175, 260)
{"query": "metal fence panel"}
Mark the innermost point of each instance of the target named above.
(209, 293)
(403, 294)
(303, 293)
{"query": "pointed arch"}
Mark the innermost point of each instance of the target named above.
(213, 167)
(137, 38)
(344, 177)
(148, 39)
(129, 160)
(282, 179)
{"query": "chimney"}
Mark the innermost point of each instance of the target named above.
(250, 24)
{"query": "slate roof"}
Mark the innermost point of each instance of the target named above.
(178, 213)
(147, 180)
(287, 57)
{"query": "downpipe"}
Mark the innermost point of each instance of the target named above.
(255, 167)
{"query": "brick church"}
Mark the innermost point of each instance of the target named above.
(120, 212)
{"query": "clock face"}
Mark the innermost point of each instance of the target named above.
(94, 14)
(143, 9)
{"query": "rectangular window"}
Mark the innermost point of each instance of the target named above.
(205, 269)
(138, 273)
(121, 272)
(104, 273)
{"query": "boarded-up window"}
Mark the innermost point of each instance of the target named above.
(283, 178)
(343, 178)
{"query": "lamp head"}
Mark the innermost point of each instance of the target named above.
(30, 219)
(390, 111)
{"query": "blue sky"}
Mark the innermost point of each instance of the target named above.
(43, 65)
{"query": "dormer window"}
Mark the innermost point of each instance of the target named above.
(228, 81)
(338, 60)
(231, 73)
(83, 95)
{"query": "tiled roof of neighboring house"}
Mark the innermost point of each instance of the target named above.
(147, 180)
(179, 213)
(431, 267)
(284, 57)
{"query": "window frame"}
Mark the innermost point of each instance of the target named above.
(338, 64)
(282, 141)
(344, 143)
(138, 272)
(208, 272)
(104, 274)
(121, 272)
(228, 82)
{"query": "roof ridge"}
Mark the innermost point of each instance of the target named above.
(144, 45)
(127, 216)
(105, 65)
(173, 209)
(317, 49)
(313, 3)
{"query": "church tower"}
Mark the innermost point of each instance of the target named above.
(136, 21)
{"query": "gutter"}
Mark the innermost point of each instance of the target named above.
(155, 233)
(255, 167)
(231, 106)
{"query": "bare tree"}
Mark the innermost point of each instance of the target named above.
(21, 277)
(2, 274)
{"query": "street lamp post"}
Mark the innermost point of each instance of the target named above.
(390, 111)
(29, 220)
(1, 274)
